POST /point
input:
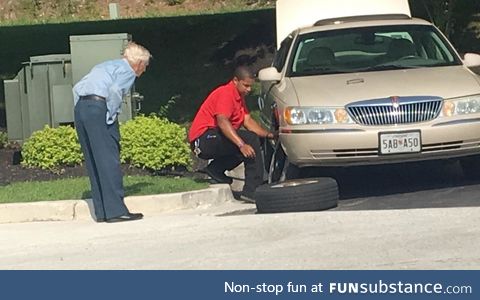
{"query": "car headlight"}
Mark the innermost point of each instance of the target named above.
(461, 106)
(316, 115)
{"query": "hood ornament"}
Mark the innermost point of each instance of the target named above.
(395, 101)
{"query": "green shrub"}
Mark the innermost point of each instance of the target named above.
(165, 109)
(3, 139)
(52, 147)
(174, 2)
(154, 143)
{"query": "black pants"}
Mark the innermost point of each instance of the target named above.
(101, 148)
(226, 155)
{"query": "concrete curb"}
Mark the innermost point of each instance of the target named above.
(70, 210)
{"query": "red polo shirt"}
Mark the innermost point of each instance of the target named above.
(224, 100)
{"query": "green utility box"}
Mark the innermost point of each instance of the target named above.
(39, 95)
(89, 50)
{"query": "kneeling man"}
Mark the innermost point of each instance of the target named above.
(215, 133)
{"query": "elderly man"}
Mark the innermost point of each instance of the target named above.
(215, 133)
(98, 98)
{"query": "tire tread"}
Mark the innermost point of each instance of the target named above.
(320, 195)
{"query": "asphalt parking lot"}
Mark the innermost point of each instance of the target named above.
(431, 184)
(422, 216)
(434, 184)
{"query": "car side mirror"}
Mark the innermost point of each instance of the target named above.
(269, 74)
(471, 60)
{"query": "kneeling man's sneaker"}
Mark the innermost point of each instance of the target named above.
(218, 176)
(247, 198)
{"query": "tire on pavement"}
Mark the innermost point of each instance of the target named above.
(307, 194)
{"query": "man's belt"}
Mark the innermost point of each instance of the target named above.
(92, 97)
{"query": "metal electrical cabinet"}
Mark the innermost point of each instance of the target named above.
(89, 50)
(13, 109)
(39, 95)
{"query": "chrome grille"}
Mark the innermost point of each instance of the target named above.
(395, 110)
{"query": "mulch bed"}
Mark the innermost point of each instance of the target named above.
(10, 172)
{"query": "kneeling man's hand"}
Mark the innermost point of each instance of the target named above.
(247, 151)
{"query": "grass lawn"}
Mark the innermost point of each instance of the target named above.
(79, 188)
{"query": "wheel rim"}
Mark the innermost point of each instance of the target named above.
(294, 183)
(277, 165)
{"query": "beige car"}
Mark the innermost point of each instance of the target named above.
(369, 90)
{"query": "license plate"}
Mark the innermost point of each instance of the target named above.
(400, 142)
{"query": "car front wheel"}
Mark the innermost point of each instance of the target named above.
(280, 169)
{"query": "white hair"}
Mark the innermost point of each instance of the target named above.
(136, 53)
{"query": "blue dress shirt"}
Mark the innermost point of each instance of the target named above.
(112, 80)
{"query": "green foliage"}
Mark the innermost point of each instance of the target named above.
(52, 147)
(29, 8)
(255, 114)
(201, 68)
(26, 12)
(252, 98)
(174, 2)
(452, 17)
(36, 11)
(167, 107)
(79, 188)
(257, 2)
(155, 143)
(3, 139)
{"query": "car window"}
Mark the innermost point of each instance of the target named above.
(370, 49)
(281, 56)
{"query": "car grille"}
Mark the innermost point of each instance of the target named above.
(395, 110)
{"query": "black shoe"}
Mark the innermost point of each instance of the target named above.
(126, 217)
(100, 220)
(247, 198)
(219, 177)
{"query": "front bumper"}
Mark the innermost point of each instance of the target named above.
(359, 145)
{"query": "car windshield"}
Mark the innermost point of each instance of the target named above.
(370, 49)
